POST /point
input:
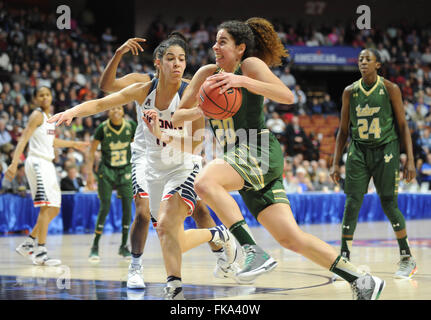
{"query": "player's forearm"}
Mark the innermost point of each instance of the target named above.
(340, 143)
(407, 139)
(19, 149)
(60, 143)
(89, 108)
(107, 79)
(183, 115)
(276, 92)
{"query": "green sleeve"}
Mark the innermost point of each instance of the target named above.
(98, 134)
(133, 125)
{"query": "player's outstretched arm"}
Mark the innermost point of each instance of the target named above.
(187, 110)
(78, 145)
(190, 141)
(137, 91)
(108, 81)
(35, 120)
(343, 133)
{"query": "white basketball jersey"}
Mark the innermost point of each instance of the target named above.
(161, 158)
(138, 144)
(41, 143)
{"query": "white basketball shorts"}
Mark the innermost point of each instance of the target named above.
(178, 181)
(42, 178)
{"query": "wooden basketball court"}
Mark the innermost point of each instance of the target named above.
(295, 278)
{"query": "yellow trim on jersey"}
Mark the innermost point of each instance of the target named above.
(367, 93)
(258, 182)
(276, 198)
(259, 176)
(117, 132)
(232, 163)
(279, 190)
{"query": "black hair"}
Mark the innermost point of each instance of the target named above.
(39, 88)
(241, 33)
(175, 38)
(260, 39)
(376, 54)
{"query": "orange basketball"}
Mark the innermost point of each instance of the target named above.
(219, 106)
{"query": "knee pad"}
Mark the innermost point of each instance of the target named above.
(390, 208)
(351, 212)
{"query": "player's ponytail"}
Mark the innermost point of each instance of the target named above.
(268, 46)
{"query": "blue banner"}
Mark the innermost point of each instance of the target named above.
(338, 56)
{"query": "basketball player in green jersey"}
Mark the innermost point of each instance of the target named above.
(114, 135)
(139, 229)
(245, 51)
(373, 109)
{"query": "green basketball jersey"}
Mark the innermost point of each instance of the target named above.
(372, 120)
(249, 119)
(115, 144)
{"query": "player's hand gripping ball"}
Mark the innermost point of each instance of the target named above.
(219, 106)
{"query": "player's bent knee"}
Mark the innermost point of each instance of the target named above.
(202, 187)
(291, 244)
(142, 218)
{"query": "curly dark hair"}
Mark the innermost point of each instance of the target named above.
(260, 39)
(241, 33)
(268, 45)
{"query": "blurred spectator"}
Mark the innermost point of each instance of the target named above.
(107, 36)
(5, 137)
(276, 124)
(323, 182)
(72, 182)
(329, 106)
(304, 180)
(299, 100)
(287, 78)
(297, 141)
(19, 185)
(315, 106)
(426, 56)
(422, 108)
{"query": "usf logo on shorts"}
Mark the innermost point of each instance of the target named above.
(388, 158)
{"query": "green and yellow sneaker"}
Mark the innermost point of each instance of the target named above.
(257, 262)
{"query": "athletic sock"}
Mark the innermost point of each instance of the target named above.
(346, 244)
(136, 259)
(96, 239)
(30, 241)
(242, 233)
(174, 282)
(403, 243)
(345, 269)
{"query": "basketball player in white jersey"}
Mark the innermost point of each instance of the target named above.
(139, 229)
(41, 174)
(169, 174)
